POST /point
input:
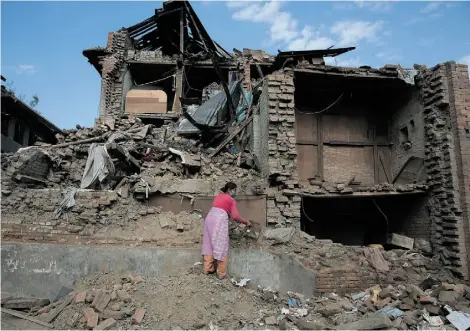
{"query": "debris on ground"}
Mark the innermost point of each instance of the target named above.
(197, 301)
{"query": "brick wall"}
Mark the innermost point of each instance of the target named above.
(30, 215)
(459, 107)
(418, 224)
(114, 68)
(260, 132)
(449, 224)
(344, 280)
(409, 118)
(282, 208)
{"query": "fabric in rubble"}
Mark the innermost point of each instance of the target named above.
(98, 166)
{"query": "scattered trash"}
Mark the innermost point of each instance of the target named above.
(300, 312)
(391, 311)
(460, 320)
(358, 296)
(292, 302)
(213, 327)
(432, 320)
(241, 283)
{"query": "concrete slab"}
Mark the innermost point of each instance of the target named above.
(42, 269)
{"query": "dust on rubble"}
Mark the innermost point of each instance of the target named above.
(188, 299)
(159, 228)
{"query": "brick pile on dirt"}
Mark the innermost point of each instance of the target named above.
(188, 299)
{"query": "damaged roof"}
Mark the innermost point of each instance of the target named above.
(15, 107)
(161, 32)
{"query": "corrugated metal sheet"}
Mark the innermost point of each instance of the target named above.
(206, 114)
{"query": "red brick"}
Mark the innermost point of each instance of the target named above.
(138, 316)
(91, 318)
(106, 324)
(80, 297)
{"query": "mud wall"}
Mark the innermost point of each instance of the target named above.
(42, 269)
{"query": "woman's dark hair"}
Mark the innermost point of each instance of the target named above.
(229, 186)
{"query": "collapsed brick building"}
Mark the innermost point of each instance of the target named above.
(348, 154)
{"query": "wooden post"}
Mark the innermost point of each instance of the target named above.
(320, 146)
(179, 70)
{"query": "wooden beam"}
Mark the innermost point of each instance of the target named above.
(260, 73)
(360, 194)
(353, 143)
(320, 146)
(306, 142)
(26, 317)
(384, 168)
(375, 154)
(245, 122)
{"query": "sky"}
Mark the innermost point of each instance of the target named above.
(42, 42)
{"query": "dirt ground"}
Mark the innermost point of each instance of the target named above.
(186, 299)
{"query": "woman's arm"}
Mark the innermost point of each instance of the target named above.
(235, 214)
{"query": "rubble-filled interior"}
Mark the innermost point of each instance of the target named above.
(332, 164)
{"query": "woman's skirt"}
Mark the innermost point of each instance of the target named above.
(216, 240)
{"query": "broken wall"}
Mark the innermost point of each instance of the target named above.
(260, 132)
(407, 132)
(444, 92)
(283, 208)
(112, 76)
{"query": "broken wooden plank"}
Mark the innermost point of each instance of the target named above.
(53, 314)
(400, 241)
(26, 317)
(162, 148)
(260, 73)
(383, 167)
(232, 135)
(350, 180)
(78, 142)
(119, 152)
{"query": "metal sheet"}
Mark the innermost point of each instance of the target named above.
(207, 113)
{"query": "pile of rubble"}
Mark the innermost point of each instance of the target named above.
(125, 150)
(188, 299)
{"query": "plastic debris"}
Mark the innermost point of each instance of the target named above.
(292, 302)
(358, 296)
(432, 320)
(460, 320)
(300, 312)
(391, 311)
(241, 283)
(213, 327)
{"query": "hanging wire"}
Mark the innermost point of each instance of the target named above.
(380, 210)
(323, 110)
(305, 214)
(187, 82)
(161, 79)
